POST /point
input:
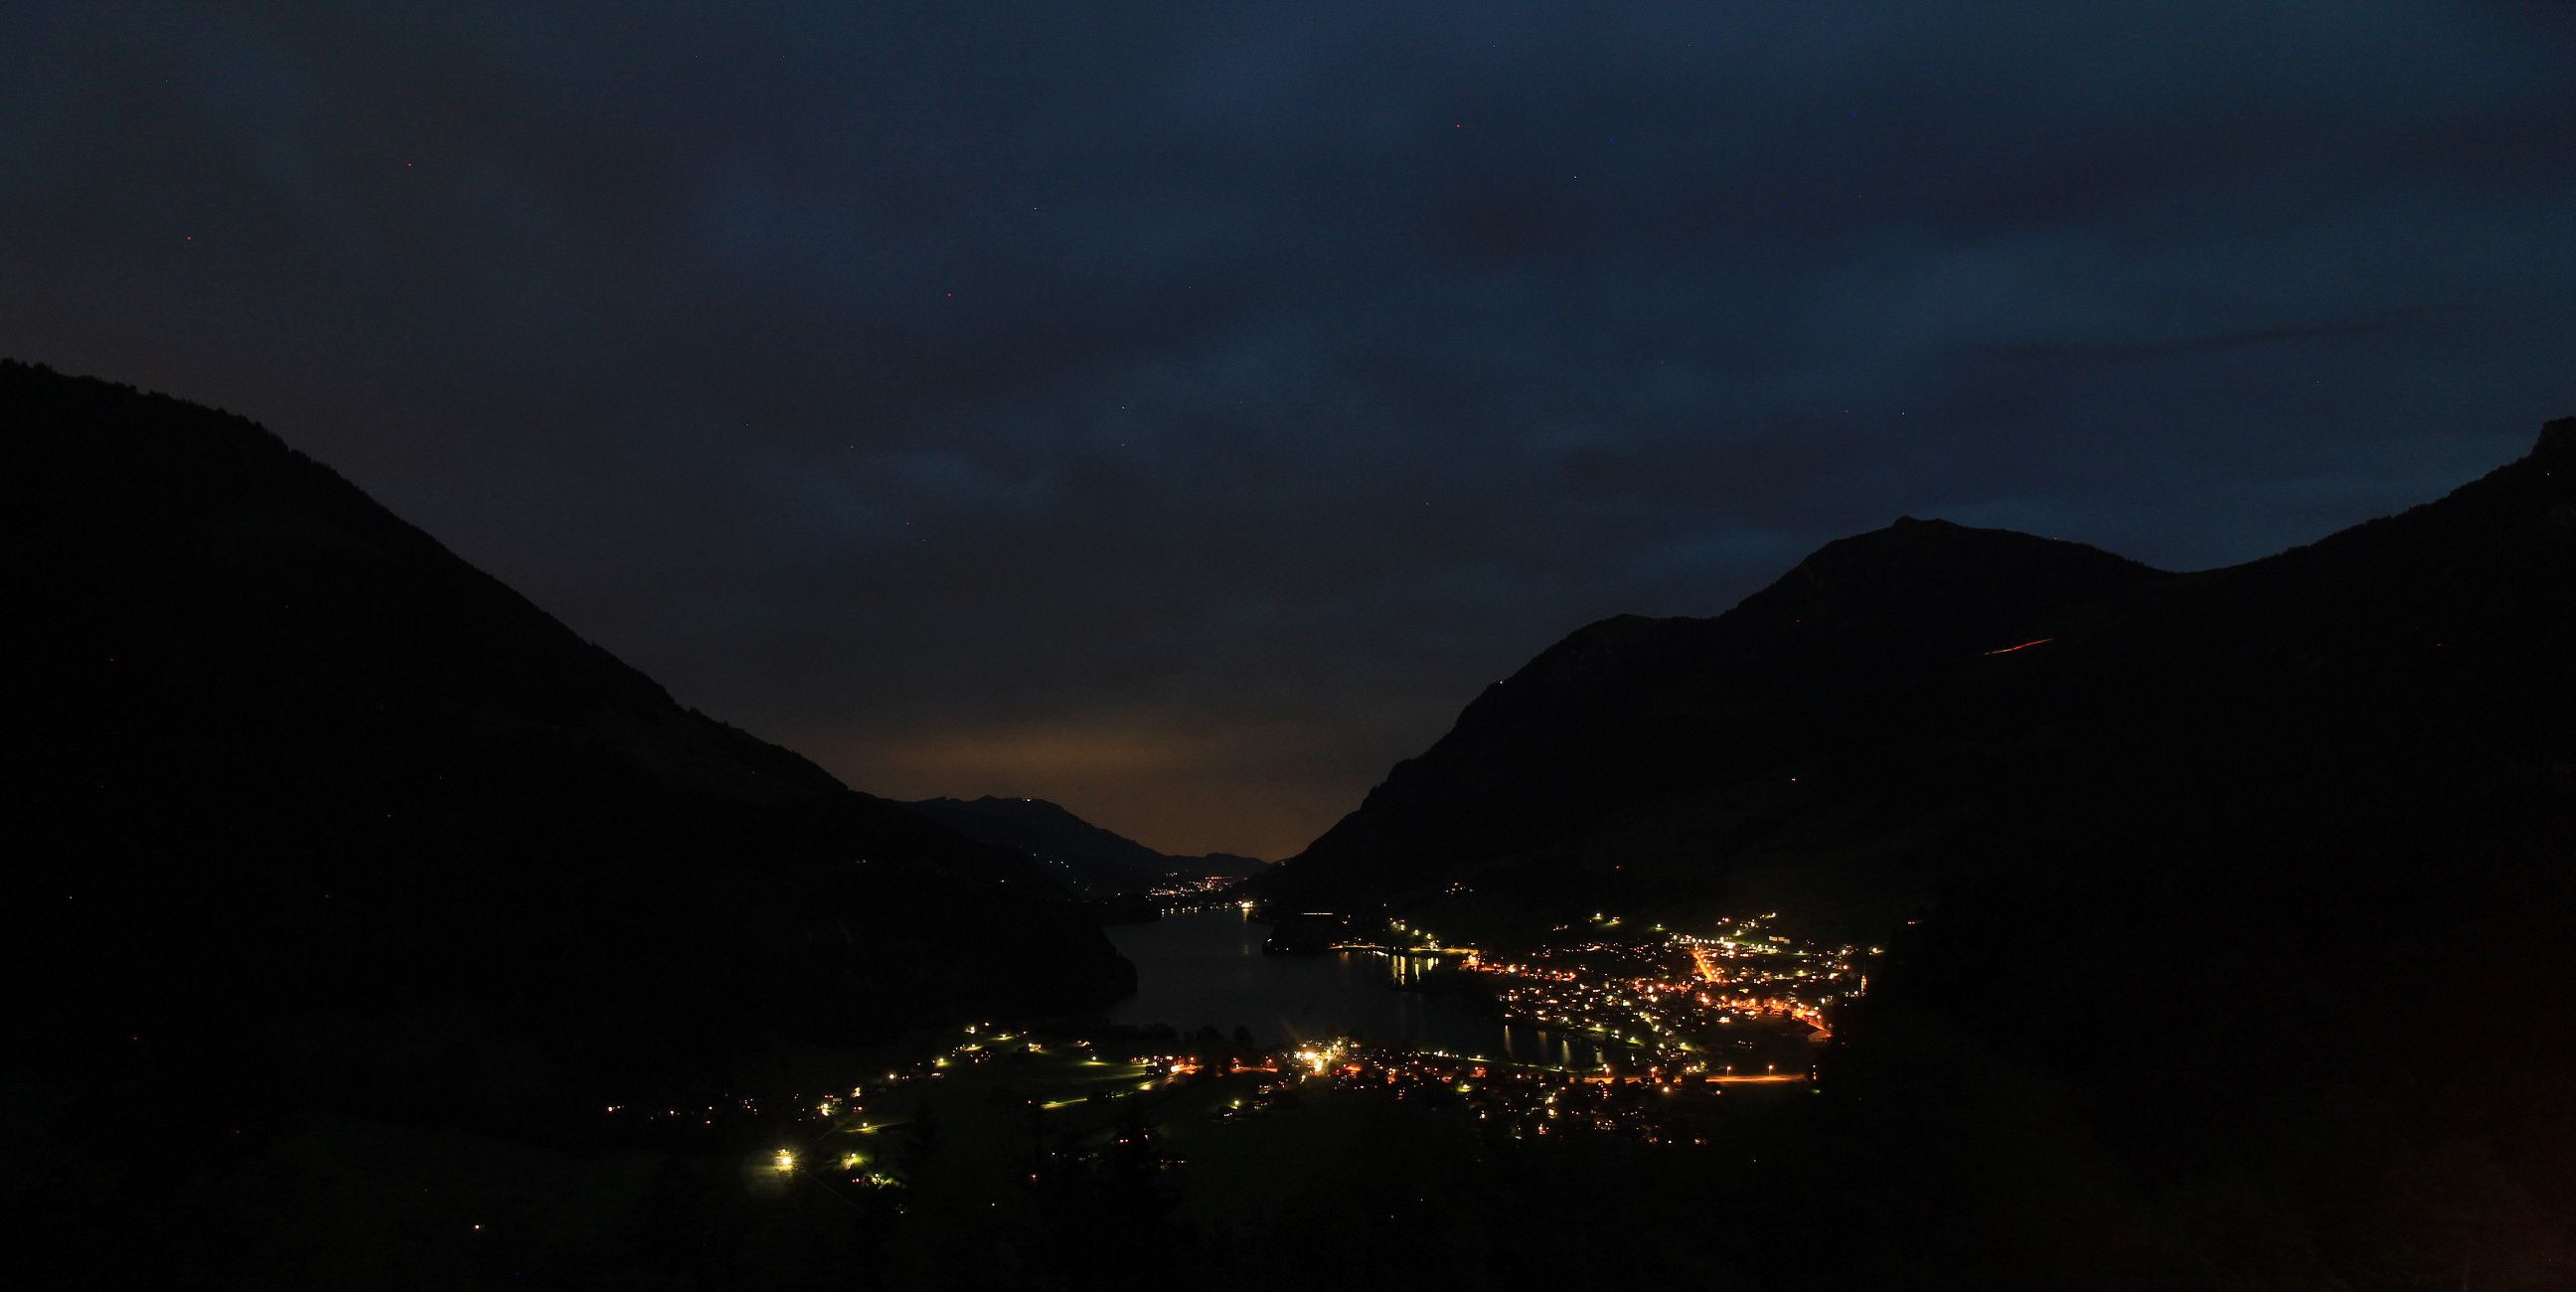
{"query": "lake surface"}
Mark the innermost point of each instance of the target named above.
(1206, 968)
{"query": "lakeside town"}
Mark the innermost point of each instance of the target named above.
(1688, 1023)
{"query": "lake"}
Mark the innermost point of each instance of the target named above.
(1206, 968)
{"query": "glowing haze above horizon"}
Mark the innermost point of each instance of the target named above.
(1180, 411)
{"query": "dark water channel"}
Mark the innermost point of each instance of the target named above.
(1206, 968)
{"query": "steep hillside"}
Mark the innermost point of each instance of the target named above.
(1630, 760)
(1840, 737)
(294, 771)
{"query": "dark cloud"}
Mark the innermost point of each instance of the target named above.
(1180, 412)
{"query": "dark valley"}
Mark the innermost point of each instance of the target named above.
(1964, 909)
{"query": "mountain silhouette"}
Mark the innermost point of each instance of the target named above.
(1638, 743)
(1086, 856)
(1837, 735)
(2228, 913)
(304, 789)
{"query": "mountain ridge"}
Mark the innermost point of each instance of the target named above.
(1093, 857)
(276, 716)
(1585, 721)
(2239, 896)
(1606, 716)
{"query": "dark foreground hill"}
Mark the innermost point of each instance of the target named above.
(310, 815)
(1096, 859)
(2243, 901)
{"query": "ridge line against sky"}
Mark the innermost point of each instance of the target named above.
(1178, 413)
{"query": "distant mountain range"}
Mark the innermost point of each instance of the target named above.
(302, 790)
(2229, 907)
(1087, 857)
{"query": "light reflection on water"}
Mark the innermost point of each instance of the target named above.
(1205, 968)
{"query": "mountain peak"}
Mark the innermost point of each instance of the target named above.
(2557, 439)
(1928, 571)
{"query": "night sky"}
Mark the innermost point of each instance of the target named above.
(1180, 412)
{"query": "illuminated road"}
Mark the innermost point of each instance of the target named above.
(1706, 964)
